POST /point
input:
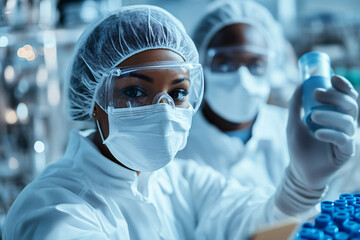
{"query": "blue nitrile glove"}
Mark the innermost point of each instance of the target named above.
(314, 158)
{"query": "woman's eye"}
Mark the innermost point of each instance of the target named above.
(133, 92)
(178, 94)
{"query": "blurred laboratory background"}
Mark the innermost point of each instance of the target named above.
(37, 38)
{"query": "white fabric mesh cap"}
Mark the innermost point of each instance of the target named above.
(110, 40)
(223, 13)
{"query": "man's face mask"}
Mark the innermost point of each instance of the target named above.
(236, 82)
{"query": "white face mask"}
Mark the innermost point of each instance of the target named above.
(236, 96)
(149, 137)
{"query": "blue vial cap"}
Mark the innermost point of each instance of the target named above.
(356, 205)
(357, 217)
(327, 237)
(331, 230)
(357, 196)
(340, 209)
(307, 225)
(350, 200)
(322, 221)
(339, 218)
(311, 234)
(327, 203)
(350, 209)
(350, 226)
(355, 232)
(341, 236)
(340, 203)
(327, 209)
(345, 195)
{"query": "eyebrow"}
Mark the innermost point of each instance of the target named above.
(176, 81)
(149, 79)
(138, 75)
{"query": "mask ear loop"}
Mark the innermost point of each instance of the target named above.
(99, 128)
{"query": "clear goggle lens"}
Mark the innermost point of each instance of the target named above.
(175, 83)
(230, 59)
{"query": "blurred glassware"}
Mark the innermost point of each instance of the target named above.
(35, 49)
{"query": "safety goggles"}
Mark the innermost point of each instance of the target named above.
(230, 59)
(178, 84)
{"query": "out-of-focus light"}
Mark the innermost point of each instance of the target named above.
(26, 52)
(10, 4)
(13, 163)
(89, 11)
(41, 76)
(39, 147)
(10, 116)
(9, 74)
(23, 85)
(4, 41)
(53, 93)
(22, 112)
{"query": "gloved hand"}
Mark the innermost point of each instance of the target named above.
(314, 158)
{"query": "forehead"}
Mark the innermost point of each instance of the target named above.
(152, 55)
(238, 34)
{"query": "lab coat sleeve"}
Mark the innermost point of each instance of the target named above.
(51, 213)
(227, 210)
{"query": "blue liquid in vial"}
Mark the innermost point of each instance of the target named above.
(308, 101)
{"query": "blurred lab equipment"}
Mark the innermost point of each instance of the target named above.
(36, 42)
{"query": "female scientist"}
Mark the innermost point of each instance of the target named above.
(136, 74)
(235, 131)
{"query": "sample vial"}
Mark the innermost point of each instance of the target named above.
(315, 71)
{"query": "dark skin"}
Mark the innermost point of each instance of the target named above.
(233, 35)
(161, 81)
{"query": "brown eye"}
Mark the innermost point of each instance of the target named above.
(257, 67)
(178, 94)
(133, 92)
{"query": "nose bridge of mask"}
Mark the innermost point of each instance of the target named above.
(248, 81)
(163, 97)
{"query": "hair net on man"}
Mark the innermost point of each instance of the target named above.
(114, 38)
(224, 13)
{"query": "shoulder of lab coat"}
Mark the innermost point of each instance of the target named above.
(210, 146)
(54, 205)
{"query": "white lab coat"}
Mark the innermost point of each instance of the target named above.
(259, 163)
(86, 196)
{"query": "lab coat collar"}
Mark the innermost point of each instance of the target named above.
(218, 151)
(262, 129)
(234, 148)
(102, 170)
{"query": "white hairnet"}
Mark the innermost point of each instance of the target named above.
(224, 13)
(112, 39)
